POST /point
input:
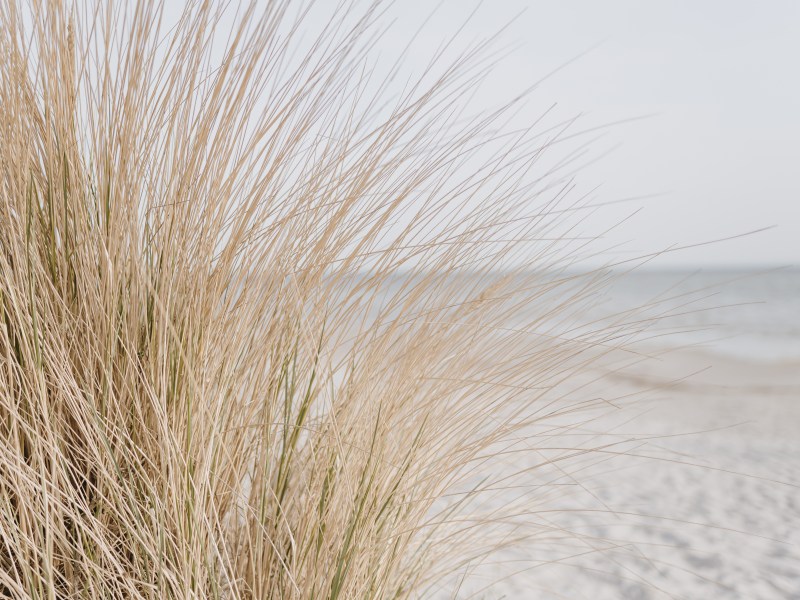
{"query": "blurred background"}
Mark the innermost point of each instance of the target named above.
(702, 96)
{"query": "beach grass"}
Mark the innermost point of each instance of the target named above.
(265, 328)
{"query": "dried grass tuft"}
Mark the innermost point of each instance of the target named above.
(265, 330)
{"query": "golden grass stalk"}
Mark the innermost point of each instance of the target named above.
(262, 324)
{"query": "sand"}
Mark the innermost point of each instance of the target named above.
(712, 510)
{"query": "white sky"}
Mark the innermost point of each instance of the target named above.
(721, 80)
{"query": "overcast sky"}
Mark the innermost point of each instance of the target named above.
(721, 81)
(717, 80)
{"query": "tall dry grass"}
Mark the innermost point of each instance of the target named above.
(265, 326)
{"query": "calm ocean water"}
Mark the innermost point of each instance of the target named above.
(749, 315)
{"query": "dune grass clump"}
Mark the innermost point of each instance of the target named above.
(263, 324)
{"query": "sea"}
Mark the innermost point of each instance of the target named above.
(750, 315)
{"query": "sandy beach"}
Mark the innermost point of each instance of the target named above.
(707, 507)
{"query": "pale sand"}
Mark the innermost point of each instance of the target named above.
(729, 528)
